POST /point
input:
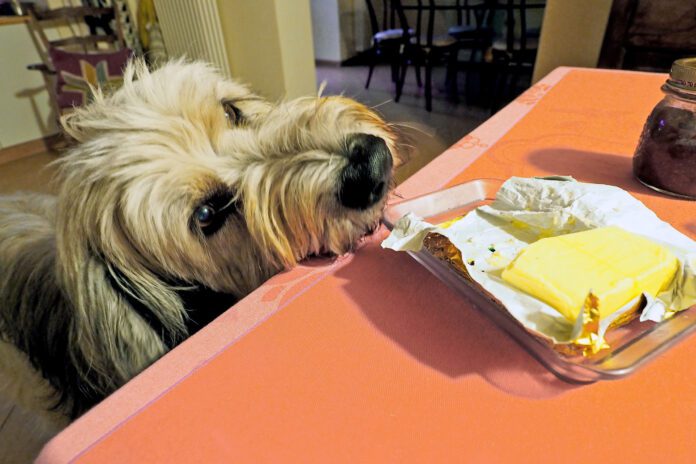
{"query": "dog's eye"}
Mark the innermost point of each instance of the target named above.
(213, 212)
(204, 215)
(233, 114)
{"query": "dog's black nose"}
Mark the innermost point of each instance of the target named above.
(365, 179)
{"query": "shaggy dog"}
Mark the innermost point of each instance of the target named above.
(184, 193)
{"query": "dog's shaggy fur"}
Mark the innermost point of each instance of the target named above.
(184, 193)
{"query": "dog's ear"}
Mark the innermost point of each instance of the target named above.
(71, 124)
(85, 121)
(115, 342)
(103, 279)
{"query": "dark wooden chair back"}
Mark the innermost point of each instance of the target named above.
(474, 28)
(475, 13)
(521, 41)
(386, 38)
(513, 58)
(421, 47)
(416, 35)
(383, 21)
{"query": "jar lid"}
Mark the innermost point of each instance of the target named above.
(683, 74)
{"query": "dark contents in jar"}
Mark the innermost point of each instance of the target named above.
(666, 154)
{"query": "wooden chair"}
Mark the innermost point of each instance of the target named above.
(474, 34)
(422, 49)
(75, 29)
(473, 20)
(386, 39)
(513, 56)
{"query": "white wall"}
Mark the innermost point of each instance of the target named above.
(294, 22)
(340, 28)
(356, 34)
(326, 33)
(571, 35)
(25, 106)
(269, 45)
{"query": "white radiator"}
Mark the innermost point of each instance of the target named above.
(192, 29)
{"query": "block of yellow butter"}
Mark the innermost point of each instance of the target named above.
(615, 265)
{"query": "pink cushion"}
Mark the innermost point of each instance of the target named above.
(75, 72)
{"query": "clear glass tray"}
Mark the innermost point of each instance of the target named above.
(632, 345)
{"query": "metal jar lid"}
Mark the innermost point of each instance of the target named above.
(683, 74)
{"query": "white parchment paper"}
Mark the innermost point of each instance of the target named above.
(528, 209)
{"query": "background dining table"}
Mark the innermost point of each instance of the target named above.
(369, 358)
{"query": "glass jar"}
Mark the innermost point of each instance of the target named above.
(665, 159)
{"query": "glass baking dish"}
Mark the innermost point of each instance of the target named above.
(632, 345)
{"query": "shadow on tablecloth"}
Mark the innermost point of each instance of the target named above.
(439, 328)
(589, 166)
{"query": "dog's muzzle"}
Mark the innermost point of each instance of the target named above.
(365, 180)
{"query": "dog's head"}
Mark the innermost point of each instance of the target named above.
(195, 178)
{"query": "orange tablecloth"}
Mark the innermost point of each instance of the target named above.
(370, 358)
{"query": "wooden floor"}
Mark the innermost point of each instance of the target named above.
(31, 173)
(23, 168)
(20, 441)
